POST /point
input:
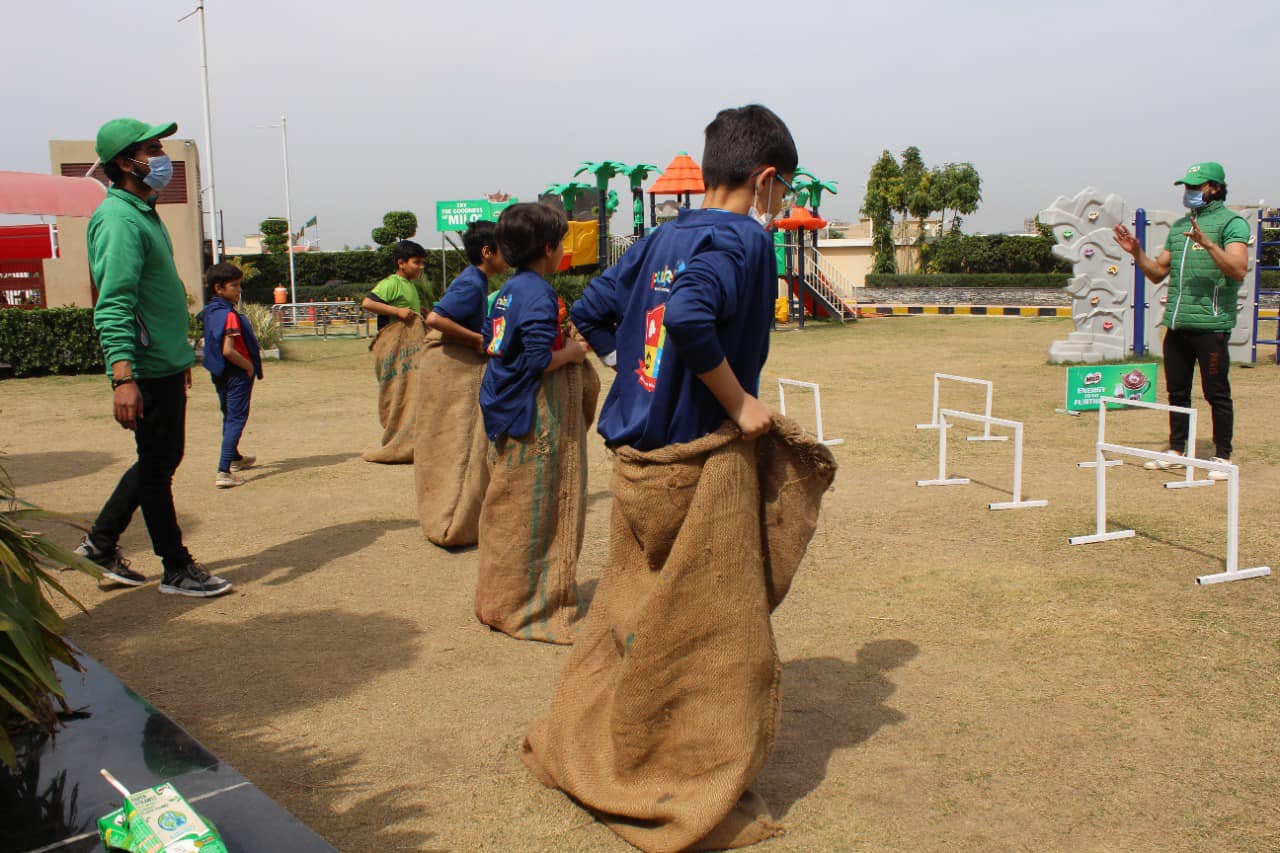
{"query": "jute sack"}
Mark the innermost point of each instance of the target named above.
(449, 451)
(396, 352)
(670, 702)
(534, 512)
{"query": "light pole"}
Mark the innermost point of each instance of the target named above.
(208, 131)
(288, 208)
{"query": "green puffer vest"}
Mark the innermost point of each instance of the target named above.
(1200, 295)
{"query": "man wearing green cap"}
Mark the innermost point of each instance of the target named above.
(1205, 258)
(141, 318)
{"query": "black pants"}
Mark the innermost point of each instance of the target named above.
(1183, 349)
(161, 440)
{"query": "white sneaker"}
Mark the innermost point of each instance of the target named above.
(1219, 475)
(1161, 465)
(245, 461)
(227, 480)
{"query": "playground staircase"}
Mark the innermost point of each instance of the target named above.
(829, 286)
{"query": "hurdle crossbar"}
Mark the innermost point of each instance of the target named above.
(1233, 571)
(817, 407)
(986, 428)
(944, 480)
(1190, 481)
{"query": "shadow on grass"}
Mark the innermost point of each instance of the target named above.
(315, 550)
(231, 687)
(37, 469)
(828, 704)
(297, 463)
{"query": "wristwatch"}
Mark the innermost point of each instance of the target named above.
(123, 380)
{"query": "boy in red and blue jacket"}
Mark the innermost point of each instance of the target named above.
(234, 360)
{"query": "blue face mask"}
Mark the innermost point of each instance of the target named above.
(1193, 199)
(161, 172)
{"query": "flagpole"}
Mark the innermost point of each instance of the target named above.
(288, 213)
(208, 131)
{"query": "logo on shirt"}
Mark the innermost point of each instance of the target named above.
(655, 340)
(662, 281)
(499, 330)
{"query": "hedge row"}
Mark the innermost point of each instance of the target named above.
(569, 287)
(49, 340)
(317, 269)
(995, 253)
(969, 280)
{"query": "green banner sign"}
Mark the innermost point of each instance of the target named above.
(1087, 385)
(457, 215)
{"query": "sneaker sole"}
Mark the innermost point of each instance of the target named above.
(227, 485)
(120, 579)
(165, 589)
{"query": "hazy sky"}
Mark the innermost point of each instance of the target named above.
(395, 105)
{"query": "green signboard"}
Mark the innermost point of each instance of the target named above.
(1087, 385)
(457, 215)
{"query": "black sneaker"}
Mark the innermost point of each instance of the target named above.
(194, 581)
(114, 566)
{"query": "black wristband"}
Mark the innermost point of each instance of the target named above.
(123, 380)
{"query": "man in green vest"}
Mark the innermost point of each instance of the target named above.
(1205, 258)
(142, 321)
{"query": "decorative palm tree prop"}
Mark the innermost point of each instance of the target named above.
(604, 170)
(638, 174)
(810, 188)
(568, 193)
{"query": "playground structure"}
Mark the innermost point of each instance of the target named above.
(1101, 534)
(943, 480)
(817, 407)
(1117, 314)
(934, 423)
(323, 318)
(1259, 292)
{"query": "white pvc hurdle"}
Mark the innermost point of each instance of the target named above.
(1233, 572)
(986, 428)
(944, 480)
(817, 407)
(1190, 449)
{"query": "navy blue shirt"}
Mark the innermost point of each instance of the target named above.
(687, 296)
(522, 327)
(464, 301)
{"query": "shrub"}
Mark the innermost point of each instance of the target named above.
(49, 340)
(265, 325)
(998, 253)
(970, 280)
(31, 639)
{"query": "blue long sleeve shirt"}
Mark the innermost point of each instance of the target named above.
(465, 300)
(689, 295)
(518, 338)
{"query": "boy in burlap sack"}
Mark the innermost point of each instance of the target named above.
(534, 400)
(670, 702)
(449, 457)
(397, 301)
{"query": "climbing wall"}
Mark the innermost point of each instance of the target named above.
(1102, 284)
(1101, 287)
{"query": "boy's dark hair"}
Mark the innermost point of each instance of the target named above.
(526, 230)
(113, 172)
(406, 250)
(478, 235)
(740, 141)
(223, 273)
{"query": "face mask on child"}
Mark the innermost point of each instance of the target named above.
(766, 218)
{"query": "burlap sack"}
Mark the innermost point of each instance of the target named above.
(449, 451)
(396, 352)
(670, 702)
(534, 512)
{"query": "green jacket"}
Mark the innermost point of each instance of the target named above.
(1200, 295)
(141, 315)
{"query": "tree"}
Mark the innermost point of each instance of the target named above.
(884, 188)
(275, 238)
(248, 269)
(396, 225)
(959, 189)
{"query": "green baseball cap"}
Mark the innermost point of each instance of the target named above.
(1200, 173)
(119, 133)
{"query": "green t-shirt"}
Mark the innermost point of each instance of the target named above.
(399, 291)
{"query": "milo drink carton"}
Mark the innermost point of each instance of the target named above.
(158, 820)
